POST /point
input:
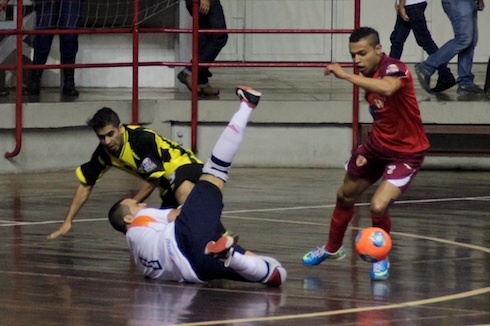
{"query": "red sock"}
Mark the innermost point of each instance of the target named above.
(338, 224)
(382, 221)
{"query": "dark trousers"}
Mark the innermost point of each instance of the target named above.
(55, 15)
(418, 25)
(52, 15)
(210, 45)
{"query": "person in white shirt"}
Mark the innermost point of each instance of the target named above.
(185, 244)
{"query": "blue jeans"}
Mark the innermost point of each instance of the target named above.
(464, 19)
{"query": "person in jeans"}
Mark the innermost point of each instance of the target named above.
(55, 14)
(463, 15)
(411, 17)
(211, 16)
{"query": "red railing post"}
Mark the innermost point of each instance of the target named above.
(19, 81)
(195, 69)
(135, 64)
(355, 92)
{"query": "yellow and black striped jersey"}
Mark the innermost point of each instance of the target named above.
(144, 153)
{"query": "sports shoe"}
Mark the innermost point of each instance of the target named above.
(380, 269)
(316, 256)
(277, 273)
(424, 78)
(249, 95)
(219, 248)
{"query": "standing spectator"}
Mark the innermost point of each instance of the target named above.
(394, 151)
(411, 17)
(55, 14)
(211, 16)
(463, 15)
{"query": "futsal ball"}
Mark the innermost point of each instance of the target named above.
(373, 244)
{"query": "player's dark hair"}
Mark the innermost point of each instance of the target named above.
(365, 33)
(104, 117)
(116, 216)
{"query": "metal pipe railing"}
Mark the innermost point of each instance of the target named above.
(19, 81)
(135, 64)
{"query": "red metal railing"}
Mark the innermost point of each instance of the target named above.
(135, 64)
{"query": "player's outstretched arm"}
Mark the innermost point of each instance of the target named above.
(79, 198)
(386, 86)
(146, 189)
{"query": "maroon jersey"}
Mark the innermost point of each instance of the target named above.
(397, 122)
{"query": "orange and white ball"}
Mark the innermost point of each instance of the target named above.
(373, 244)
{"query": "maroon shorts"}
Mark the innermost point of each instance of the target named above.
(371, 161)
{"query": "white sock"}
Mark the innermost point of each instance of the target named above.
(228, 143)
(251, 267)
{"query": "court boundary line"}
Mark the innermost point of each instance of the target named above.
(347, 311)
(335, 312)
(400, 202)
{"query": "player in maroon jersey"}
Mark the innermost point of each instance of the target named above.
(394, 151)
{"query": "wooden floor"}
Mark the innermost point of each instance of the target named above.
(440, 261)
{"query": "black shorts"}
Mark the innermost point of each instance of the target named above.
(190, 172)
(197, 224)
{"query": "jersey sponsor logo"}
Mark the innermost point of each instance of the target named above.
(391, 69)
(148, 165)
(153, 264)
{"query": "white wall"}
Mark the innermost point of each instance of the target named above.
(117, 48)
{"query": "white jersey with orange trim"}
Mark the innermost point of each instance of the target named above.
(151, 240)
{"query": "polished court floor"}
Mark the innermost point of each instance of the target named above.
(440, 261)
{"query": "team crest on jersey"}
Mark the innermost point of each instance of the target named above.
(379, 103)
(391, 69)
(148, 165)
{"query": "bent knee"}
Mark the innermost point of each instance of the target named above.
(345, 201)
(379, 207)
